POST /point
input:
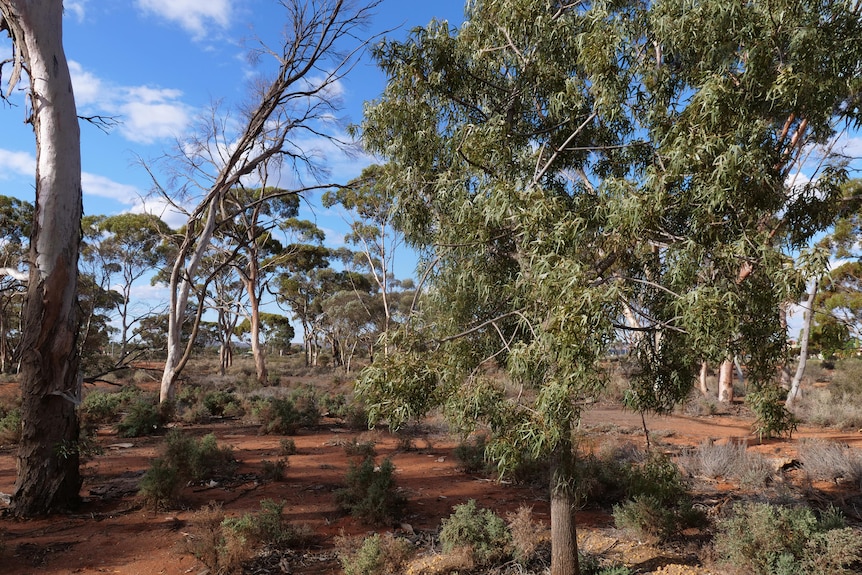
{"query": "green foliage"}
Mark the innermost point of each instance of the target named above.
(764, 539)
(223, 544)
(378, 555)
(10, 425)
(222, 403)
(370, 493)
(285, 415)
(273, 470)
(363, 449)
(184, 459)
(659, 506)
(142, 418)
(773, 418)
(160, 485)
(287, 446)
(482, 530)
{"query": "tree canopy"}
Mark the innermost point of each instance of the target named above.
(574, 171)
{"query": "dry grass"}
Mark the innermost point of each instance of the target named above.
(830, 461)
(730, 461)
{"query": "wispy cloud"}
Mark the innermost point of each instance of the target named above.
(76, 8)
(195, 16)
(13, 163)
(146, 113)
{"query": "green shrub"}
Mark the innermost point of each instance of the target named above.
(363, 449)
(273, 470)
(773, 418)
(285, 415)
(223, 544)
(764, 539)
(100, 407)
(482, 530)
(143, 418)
(10, 426)
(659, 506)
(222, 404)
(183, 460)
(370, 493)
(287, 446)
(160, 485)
(378, 555)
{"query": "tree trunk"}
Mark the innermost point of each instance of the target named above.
(564, 537)
(725, 381)
(48, 475)
(704, 372)
(796, 382)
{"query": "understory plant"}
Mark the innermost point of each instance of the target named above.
(370, 493)
(765, 539)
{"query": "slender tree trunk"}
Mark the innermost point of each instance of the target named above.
(48, 475)
(564, 537)
(725, 381)
(704, 372)
(796, 382)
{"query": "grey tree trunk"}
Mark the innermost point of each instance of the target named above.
(796, 382)
(564, 537)
(48, 475)
(725, 381)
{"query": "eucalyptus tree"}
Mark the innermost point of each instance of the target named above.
(296, 100)
(48, 477)
(564, 167)
(369, 203)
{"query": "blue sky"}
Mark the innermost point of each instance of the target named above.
(156, 65)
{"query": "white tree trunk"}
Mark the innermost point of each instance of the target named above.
(808, 317)
(725, 381)
(48, 478)
(704, 372)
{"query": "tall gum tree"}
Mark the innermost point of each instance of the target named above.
(48, 475)
(562, 166)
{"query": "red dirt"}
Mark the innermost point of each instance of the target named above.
(112, 533)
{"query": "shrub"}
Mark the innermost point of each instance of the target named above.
(10, 426)
(730, 460)
(99, 407)
(287, 447)
(222, 403)
(223, 544)
(773, 418)
(527, 535)
(378, 555)
(659, 506)
(482, 530)
(363, 449)
(370, 493)
(830, 461)
(765, 539)
(142, 419)
(273, 470)
(160, 485)
(285, 415)
(184, 459)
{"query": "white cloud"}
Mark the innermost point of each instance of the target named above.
(96, 185)
(159, 207)
(77, 8)
(145, 113)
(17, 163)
(193, 15)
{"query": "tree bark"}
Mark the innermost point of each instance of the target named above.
(796, 382)
(564, 537)
(725, 381)
(704, 372)
(48, 474)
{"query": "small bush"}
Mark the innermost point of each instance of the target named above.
(183, 460)
(287, 447)
(527, 535)
(160, 486)
(10, 426)
(830, 461)
(482, 530)
(371, 494)
(273, 470)
(99, 407)
(285, 415)
(377, 555)
(142, 419)
(764, 539)
(222, 404)
(773, 418)
(223, 544)
(659, 506)
(363, 449)
(730, 460)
